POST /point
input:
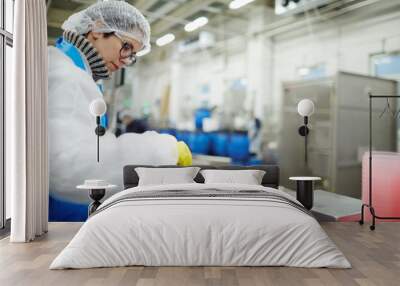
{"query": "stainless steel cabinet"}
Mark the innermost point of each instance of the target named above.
(339, 129)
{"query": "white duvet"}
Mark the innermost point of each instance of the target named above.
(200, 231)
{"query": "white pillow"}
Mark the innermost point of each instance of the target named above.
(248, 177)
(163, 176)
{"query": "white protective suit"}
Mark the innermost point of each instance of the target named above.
(72, 138)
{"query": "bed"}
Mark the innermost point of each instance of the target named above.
(198, 224)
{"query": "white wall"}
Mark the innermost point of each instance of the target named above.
(345, 47)
(232, 59)
(186, 74)
(266, 62)
(148, 83)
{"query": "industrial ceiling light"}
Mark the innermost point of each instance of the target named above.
(195, 24)
(165, 40)
(236, 4)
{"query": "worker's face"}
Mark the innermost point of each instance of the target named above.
(109, 48)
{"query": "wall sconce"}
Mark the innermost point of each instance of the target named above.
(305, 108)
(98, 108)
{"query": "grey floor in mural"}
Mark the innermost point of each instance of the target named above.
(332, 207)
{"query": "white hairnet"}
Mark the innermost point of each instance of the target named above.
(111, 16)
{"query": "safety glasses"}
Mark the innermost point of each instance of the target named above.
(126, 53)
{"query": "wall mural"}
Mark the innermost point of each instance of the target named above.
(95, 43)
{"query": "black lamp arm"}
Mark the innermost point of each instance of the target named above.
(100, 131)
(303, 131)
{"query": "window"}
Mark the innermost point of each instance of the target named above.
(6, 43)
(386, 65)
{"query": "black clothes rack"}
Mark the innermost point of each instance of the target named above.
(370, 203)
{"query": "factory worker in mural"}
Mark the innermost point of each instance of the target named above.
(96, 42)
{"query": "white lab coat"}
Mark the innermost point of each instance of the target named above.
(72, 140)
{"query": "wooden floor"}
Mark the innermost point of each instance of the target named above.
(375, 257)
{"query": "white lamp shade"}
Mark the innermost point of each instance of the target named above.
(305, 107)
(98, 107)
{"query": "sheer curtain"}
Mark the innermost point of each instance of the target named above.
(26, 124)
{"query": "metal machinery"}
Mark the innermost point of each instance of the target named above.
(339, 130)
